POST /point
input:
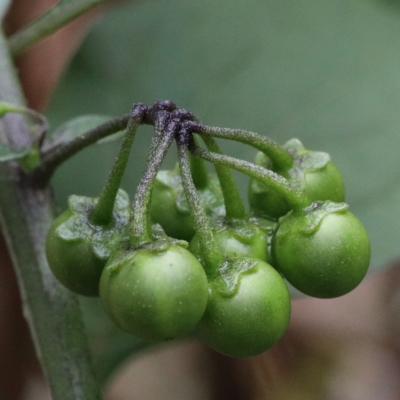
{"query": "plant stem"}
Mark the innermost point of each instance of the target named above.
(140, 225)
(52, 312)
(10, 91)
(233, 202)
(160, 124)
(209, 251)
(281, 159)
(40, 118)
(48, 23)
(296, 197)
(103, 211)
(198, 169)
(55, 156)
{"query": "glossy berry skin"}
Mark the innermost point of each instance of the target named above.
(323, 251)
(77, 250)
(312, 172)
(248, 309)
(169, 206)
(156, 292)
(240, 238)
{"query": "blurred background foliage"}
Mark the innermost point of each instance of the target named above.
(326, 72)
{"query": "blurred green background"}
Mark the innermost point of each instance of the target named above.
(326, 72)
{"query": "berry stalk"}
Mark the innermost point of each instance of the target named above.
(278, 155)
(103, 211)
(140, 225)
(233, 202)
(296, 197)
(198, 169)
(210, 254)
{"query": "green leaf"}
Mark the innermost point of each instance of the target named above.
(78, 126)
(4, 4)
(7, 154)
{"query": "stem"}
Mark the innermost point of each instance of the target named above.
(41, 121)
(52, 312)
(160, 125)
(198, 169)
(48, 23)
(103, 211)
(140, 227)
(278, 155)
(53, 157)
(209, 251)
(296, 197)
(234, 205)
(13, 127)
(40, 118)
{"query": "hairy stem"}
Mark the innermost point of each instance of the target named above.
(198, 169)
(52, 312)
(296, 197)
(209, 251)
(234, 205)
(102, 213)
(53, 157)
(140, 231)
(278, 155)
(160, 124)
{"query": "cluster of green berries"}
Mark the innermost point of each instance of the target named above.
(185, 257)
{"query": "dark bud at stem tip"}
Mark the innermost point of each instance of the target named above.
(183, 115)
(139, 110)
(165, 111)
(163, 105)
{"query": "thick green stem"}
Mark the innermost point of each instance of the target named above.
(103, 212)
(48, 23)
(140, 231)
(52, 312)
(53, 157)
(209, 251)
(296, 197)
(281, 159)
(199, 171)
(234, 205)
